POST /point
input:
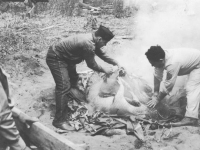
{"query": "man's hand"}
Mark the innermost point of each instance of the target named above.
(153, 102)
(122, 71)
(155, 94)
(108, 71)
(27, 119)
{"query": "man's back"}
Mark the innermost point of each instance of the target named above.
(74, 47)
(187, 58)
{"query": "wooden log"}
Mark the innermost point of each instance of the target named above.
(43, 137)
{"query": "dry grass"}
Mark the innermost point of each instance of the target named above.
(57, 7)
(17, 35)
(21, 42)
(71, 8)
(20, 36)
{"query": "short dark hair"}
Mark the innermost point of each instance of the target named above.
(155, 53)
(105, 33)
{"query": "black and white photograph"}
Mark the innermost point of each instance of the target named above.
(99, 74)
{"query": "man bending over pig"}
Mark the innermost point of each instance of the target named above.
(62, 59)
(177, 62)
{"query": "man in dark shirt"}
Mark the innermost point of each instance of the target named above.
(62, 59)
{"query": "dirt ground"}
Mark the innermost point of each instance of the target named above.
(33, 86)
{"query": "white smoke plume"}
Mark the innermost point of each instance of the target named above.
(168, 23)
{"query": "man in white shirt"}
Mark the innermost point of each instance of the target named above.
(176, 62)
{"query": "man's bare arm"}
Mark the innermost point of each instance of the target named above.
(156, 85)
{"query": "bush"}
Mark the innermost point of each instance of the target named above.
(121, 11)
(15, 36)
(57, 7)
(71, 8)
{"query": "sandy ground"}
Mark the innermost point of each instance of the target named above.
(33, 88)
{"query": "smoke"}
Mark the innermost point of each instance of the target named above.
(168, 23)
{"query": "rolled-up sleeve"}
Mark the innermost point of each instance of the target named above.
(101, 54)
(89, 56)
(172, 73)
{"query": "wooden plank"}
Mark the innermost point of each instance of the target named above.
(45, 138)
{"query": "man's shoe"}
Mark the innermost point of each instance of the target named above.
(187, 121)
(63, 125)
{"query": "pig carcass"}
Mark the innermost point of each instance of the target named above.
(128, 95)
